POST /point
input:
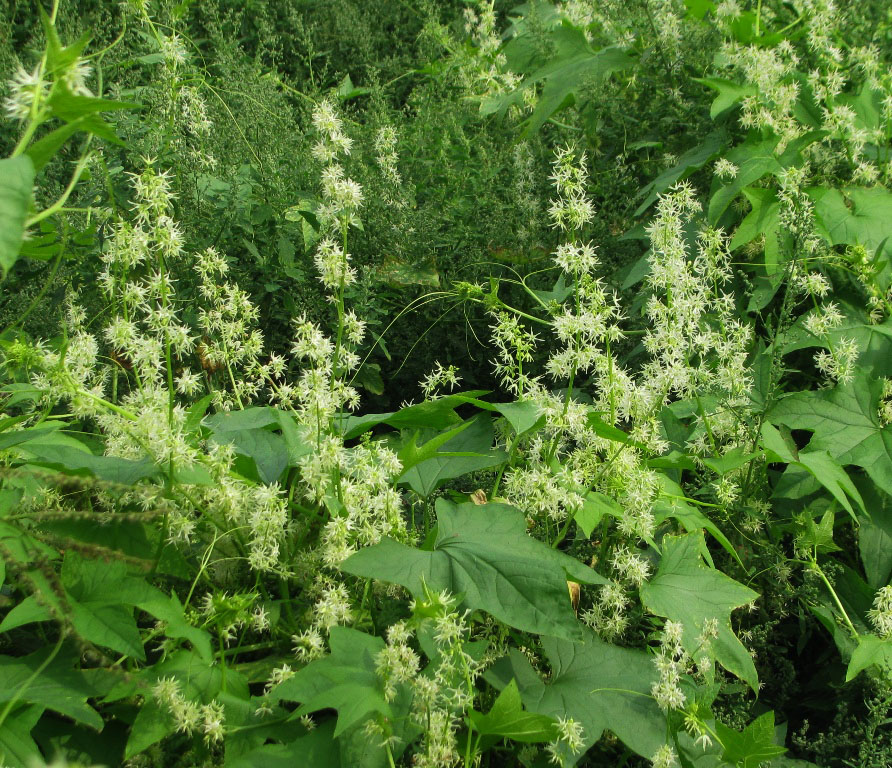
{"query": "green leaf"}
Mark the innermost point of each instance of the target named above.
(776, 448)
(875, 536)
(571, 64)
(170, 611)
(267, 450)
(508, 720)
(466, 448)
(729, 93)
(699, 8)
(854, 216)
(484, 553)
(594, 506)
(59, 57)
(256, 417)
(833, 477)
(601, 686)
(317, 748)
(111, 626)
(17, 748)
(369, 378)
(196, 413)
(763, 219)
(432, 414)
(602, 429)
(200, 681)
(752, 747)
(346, 89)
(817, 537)
(845, 423)
(345, 680)
(16, 181)
(77, 461)
(9, 439)
(72, 106)
(685, 590)
(296, 439)
(100, 595)
(754, 160)
(692, 160)
(60, 686)
(672, 503)
(871, 651)
(523, 415)
(152, 724)
(872, 340)
(728, 462)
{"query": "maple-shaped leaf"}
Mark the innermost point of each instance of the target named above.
(345, 680)
(687, 591)
(817, 536)
(871, 651)
(752, 747)
(602, 687)
(484, 553)
(568, 68)
(508, 720)
(872, 340)
(846, 424)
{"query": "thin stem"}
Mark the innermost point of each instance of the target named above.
(60, 203)
(37, 299)
(31, 678)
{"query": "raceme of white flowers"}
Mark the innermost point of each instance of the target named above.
(696, 345)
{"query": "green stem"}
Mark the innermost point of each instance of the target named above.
(37, 299)
(60, 203)
(31, 678)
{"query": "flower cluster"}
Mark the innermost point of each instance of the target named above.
(880, 615)
(438, 379)
(188, 714)
(671, 661)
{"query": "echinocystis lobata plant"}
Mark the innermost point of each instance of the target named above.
(636, 511)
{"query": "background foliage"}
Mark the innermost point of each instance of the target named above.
(446, 383)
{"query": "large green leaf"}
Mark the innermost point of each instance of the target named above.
(754, 160)
(875, 536)
(523, 415)
(471, 446)
(686, 591)
(17, 748)
(763, 219)
(854, 216)
(484, 553)
(692, 160)
(199, 680)
(672, 502)
(317, 748)
(101, 596)
(873, 340)
(570, 66)
(845, 423)
(16, 180)
(436, 414)
(345, 680)
(601, 686)
(59, 686)
(77, 460)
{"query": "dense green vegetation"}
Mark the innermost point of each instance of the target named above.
(437, 384)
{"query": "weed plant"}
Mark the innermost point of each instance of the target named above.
(446, 384)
